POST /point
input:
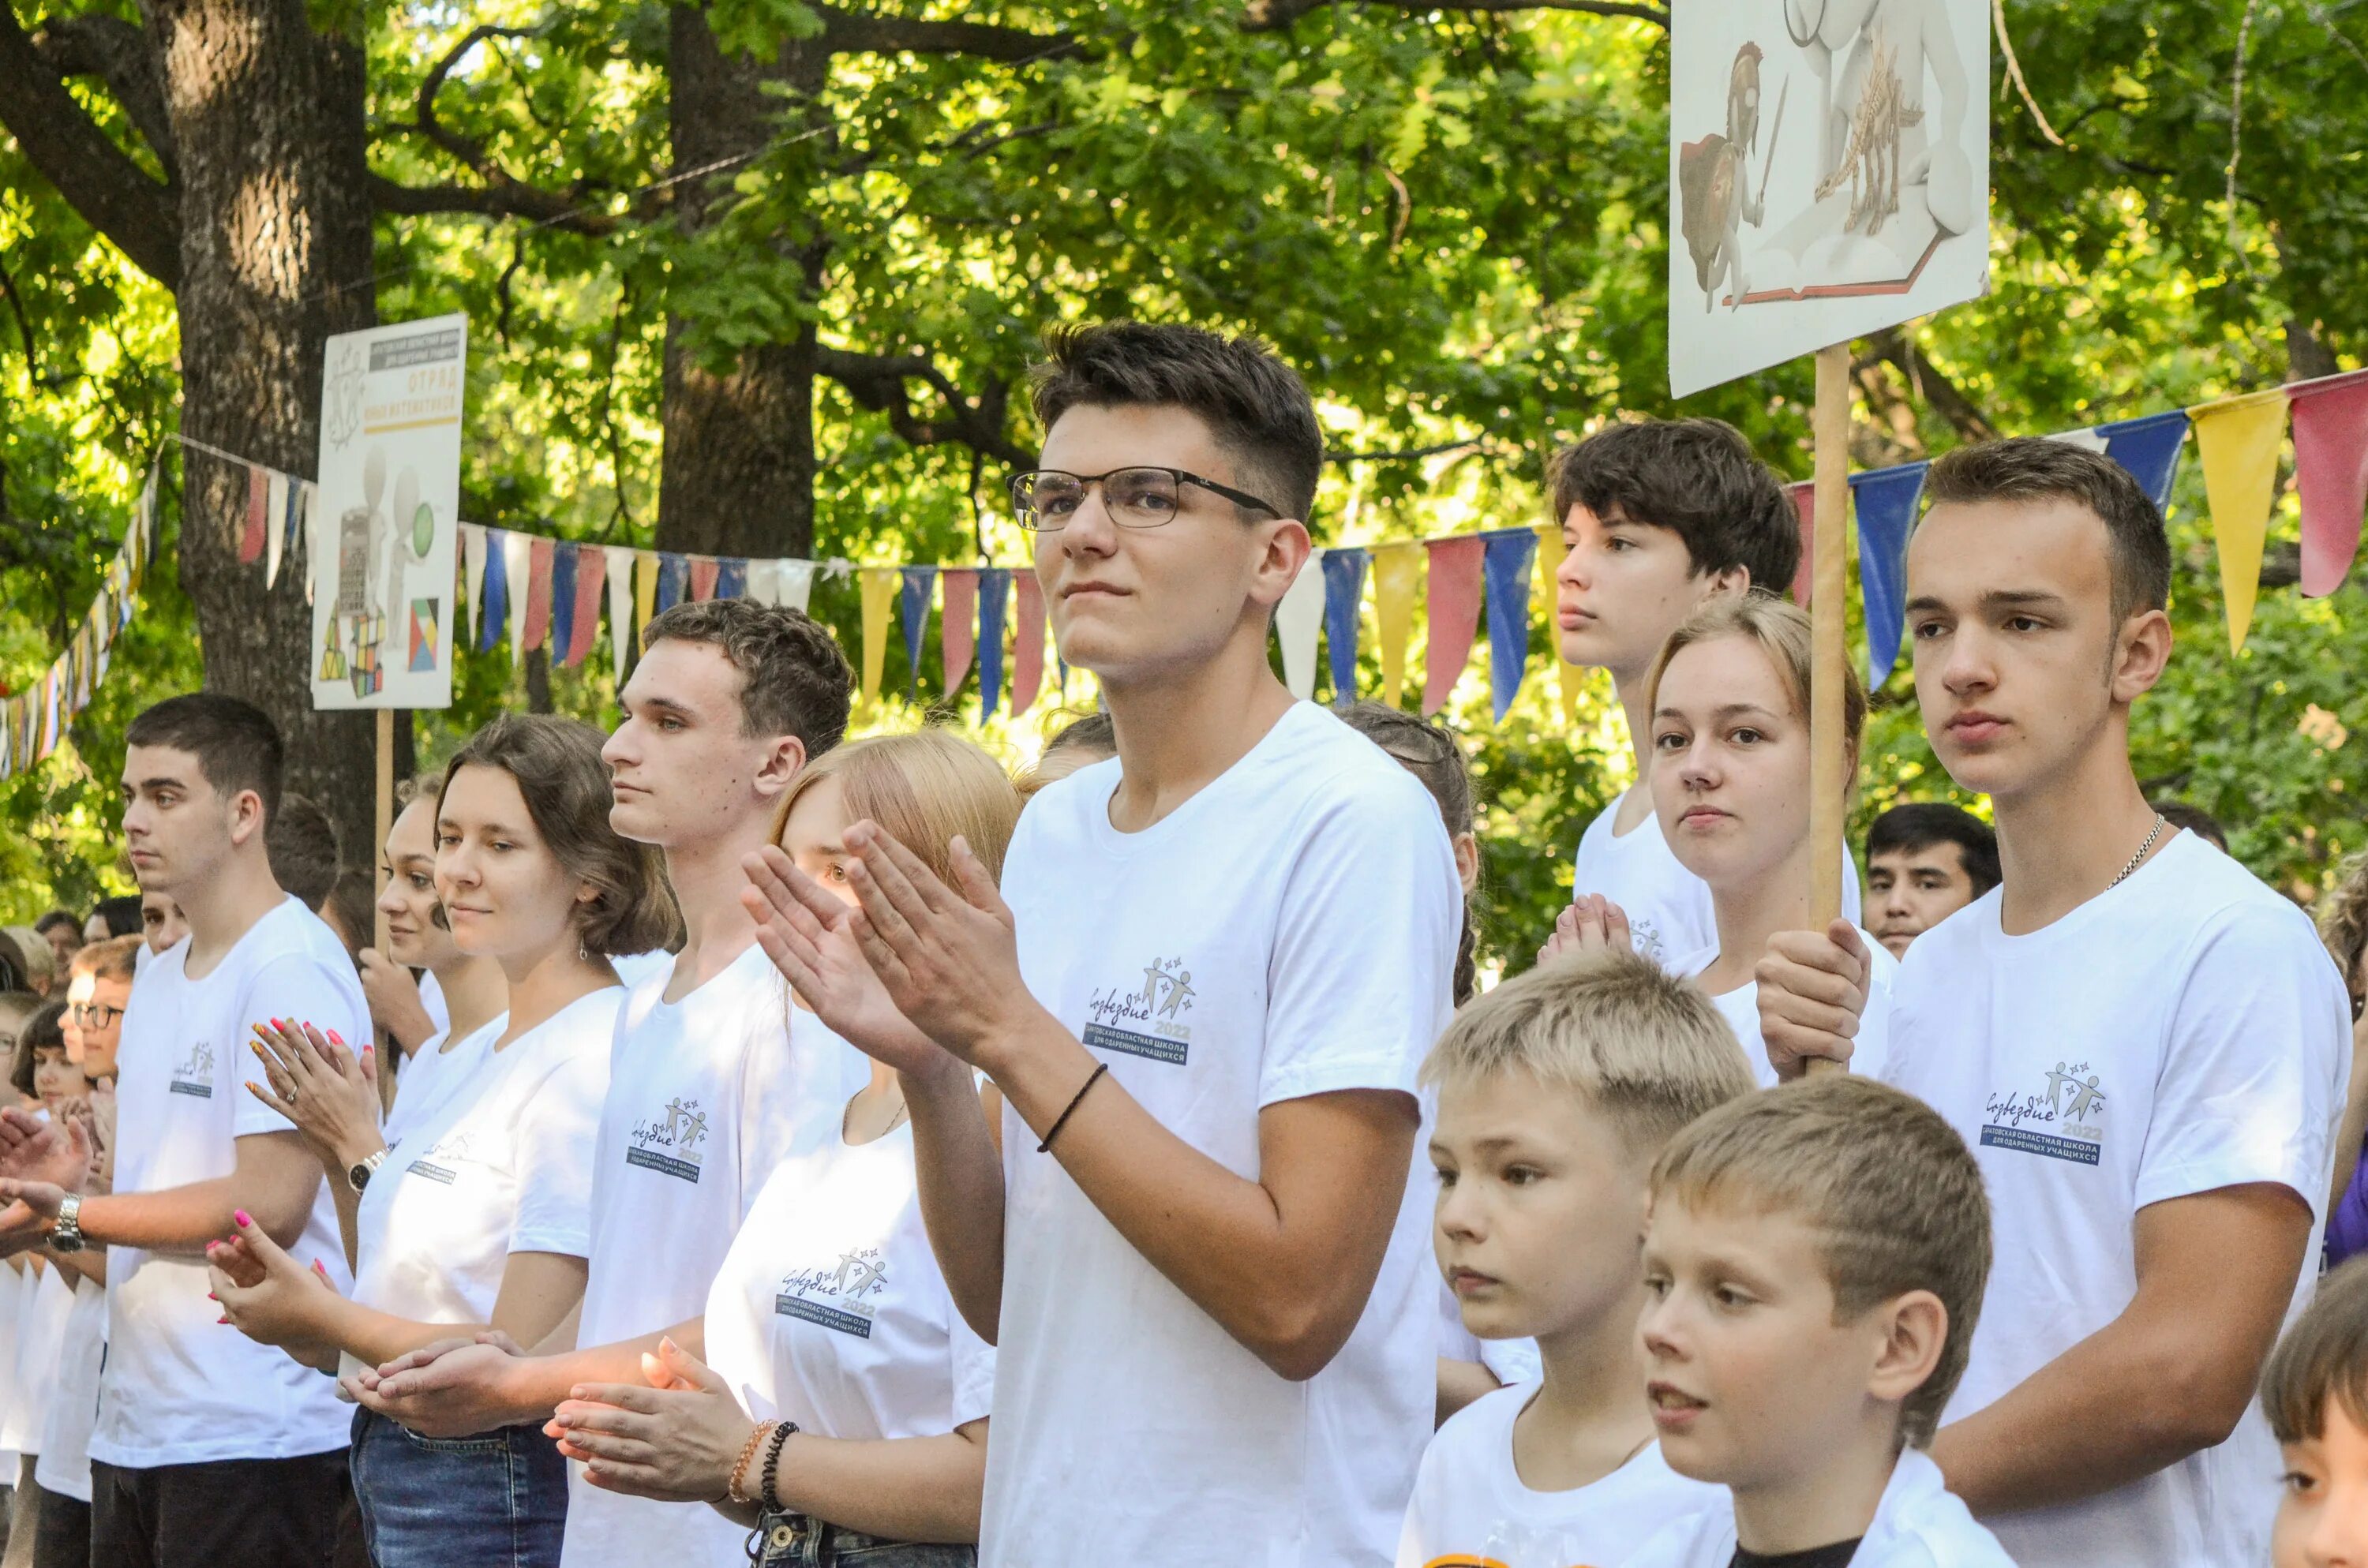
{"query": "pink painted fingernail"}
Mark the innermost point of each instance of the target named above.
(367, 1048)
(242, 1216)
(336, 1039)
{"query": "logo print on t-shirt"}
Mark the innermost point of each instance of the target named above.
(1145, 1020)
(194, 1073)
(670, 1144)
(2062, 1123)
(437, 1161)
(833, 1298)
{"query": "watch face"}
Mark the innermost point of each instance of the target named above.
(359, 1175)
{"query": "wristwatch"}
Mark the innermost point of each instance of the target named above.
(358, 1176)
(65, 1234)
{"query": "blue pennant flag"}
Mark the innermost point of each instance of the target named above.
(562, 601)
(1885, 501)
(674, 579)
(497, 604)
(1344, 587)
(1508, 565)
(918, 582)
(292, 525)
(2149, 449)
(994, 590)
(731, 577)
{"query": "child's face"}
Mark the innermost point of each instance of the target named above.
(1729, 762)
(93, 1023)
(1752, 1383)
(2323, 1516)
(55, 1079)
(1540, 1207)
(1621, 588)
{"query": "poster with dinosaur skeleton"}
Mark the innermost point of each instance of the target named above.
(385, 521)
(1828, 175)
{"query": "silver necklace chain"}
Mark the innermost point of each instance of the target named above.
(2136, 860)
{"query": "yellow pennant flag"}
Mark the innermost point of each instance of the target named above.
(878, 585)
(645, 589)
(2238, 443)
(1570, 678)
(1397, 569)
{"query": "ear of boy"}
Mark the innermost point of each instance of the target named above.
(1914, 1328)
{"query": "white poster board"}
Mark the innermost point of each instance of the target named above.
(1830, 175)
(384, 520)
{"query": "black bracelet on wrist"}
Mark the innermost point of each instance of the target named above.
(767, 1498)
(1063, 1119)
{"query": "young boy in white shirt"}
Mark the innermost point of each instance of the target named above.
(1658, 516)
(209, 1448)
(711, 1082)
(1556, 1092)
(1223, 955)
(1813, 1265)
(2144, 1046)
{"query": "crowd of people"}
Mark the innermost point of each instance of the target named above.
(754, 1145)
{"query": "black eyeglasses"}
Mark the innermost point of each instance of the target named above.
(93, 1015)
(1044, 499)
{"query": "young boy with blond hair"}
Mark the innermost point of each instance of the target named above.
(1813, 1266)
(1557, 1090)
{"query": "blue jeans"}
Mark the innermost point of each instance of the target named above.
(496, 1500)
(793, 1540)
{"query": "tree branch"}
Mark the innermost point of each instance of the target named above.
(850, 32)
(876, 382)
(502, 194)
(116, 51)
(1948, 400)
(99, 179)
(1274, 15)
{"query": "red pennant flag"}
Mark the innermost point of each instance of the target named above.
(1454, 615)
(958, 622)
(1027, 642)
(1805, 501)
(591, 573)
(258, 497)
(537, 593)
(2330, 439)
(702, 576)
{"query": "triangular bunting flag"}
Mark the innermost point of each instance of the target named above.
(917, 581)
(303, 496)
(538, 592)
(259, 507)
(618, 566)
(2237, 441)
(1344, 592)
(645, 591)
(2330, 439)
(955, 626)
(275, 524)
(1397, 568)
(1569, 678)
(703, 571)
(793, 584)
(1297, 620)
(732, 578)
(518, 568)
(1512, 554)
(1804, 503)
(759, 582)
(591, 576)
(994, 595)
(674, 579)
(1028, 644)
(878, 587)
(2149, 449)
(1885, 501)
(563, 604)
(472, 566)
(495, 607)
(1454, 615)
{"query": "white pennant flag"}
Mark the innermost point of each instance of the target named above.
(473, 554)
(275, 526)
(760, 588)
(1296, 620)
(518, 566)
(794, 583)
(621, 602)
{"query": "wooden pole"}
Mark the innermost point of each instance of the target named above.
(383, 818)
(1827, 606)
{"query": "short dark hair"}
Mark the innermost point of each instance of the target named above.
(1697, 478)
(1094, 734)
(1254, 404)
(793, 679)
(122, 913)
(2323, 1356)
(236, 742)
(2035, 467)
(557, 764)
(44, 1030)
(2196, 820)
(302, 846)
(1919, 824)
(55, 918)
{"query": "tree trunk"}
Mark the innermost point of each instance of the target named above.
(739, 461)
(268, 127)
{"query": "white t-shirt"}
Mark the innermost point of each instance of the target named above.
(829, 1311)
(1669, 907)
(1471, 1505)
(1740, 1008)
(430, 1075)
(439, 1011)
(64, 1464)
(1918, 1524)
(179, 1387)
(705, 1095)
(10, 1299)
(1509, 1361)
(501, 1163)
(44, 1299)
(1287, 931)
(2182, 1033)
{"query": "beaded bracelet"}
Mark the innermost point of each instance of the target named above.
(757, 1435)
(766, 1497)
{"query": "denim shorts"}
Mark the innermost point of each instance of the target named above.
(494, 1500)
(793, 1540)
